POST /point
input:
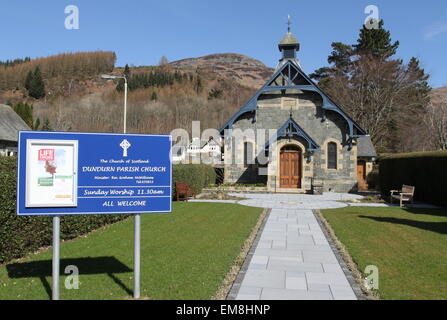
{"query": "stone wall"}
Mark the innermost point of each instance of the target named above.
(307, 112)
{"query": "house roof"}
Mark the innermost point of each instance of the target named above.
(202, 143)
(10, 124)
(365, 147)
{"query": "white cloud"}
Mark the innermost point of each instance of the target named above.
(435, 30)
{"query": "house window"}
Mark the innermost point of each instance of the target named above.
(332, 155)
(248, 154)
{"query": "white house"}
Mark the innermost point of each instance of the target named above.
(10, 124)
(197, 149)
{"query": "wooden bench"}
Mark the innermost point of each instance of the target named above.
(183, 191)
(317, 186)
(406, 194)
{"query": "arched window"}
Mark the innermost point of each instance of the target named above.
(332, 155)
(248, 154)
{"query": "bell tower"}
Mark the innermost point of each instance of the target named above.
(289, 46)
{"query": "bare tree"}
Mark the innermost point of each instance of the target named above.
(163, 60)
(378, 94)
(436, 122)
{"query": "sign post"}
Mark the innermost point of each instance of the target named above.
(56, 256)
(136, 283)
(68, 173)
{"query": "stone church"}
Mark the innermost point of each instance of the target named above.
(302, 139)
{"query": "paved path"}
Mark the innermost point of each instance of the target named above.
(293, 259)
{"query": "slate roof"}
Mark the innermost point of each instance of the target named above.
(10, 124)
(365, 147)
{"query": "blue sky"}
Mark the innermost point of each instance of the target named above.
(140, 32)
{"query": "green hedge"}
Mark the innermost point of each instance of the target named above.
(197, 175)
(21, 235)
(424, 170)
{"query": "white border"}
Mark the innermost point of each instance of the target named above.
(48, 143)
(88, 213)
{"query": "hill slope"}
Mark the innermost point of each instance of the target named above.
(244, 70)
(438, 94)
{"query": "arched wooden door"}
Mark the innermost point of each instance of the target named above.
(290, 167)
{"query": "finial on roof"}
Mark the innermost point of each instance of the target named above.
(289, 23)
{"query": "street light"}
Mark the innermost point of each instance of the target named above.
(137, 220)
(108, 76)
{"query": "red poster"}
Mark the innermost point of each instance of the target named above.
(46, 154)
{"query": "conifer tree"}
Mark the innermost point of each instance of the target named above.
(383, 94)
(126, 73)
(25, 111)
(154, 96)
(46, 126)
(376, 42)
(28, 80)
(36, 85)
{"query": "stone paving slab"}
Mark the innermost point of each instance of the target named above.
(264, 279)
(286, 294)
(293, 259)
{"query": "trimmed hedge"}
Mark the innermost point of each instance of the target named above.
(22, 235)
(424, 170)
(196, 175)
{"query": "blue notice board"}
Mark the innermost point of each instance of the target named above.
(64, 173)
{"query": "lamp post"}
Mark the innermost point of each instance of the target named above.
(137, 223)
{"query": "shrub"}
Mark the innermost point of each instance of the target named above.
(20, 235)
(196, 175)
(373, 178)
(424, 170)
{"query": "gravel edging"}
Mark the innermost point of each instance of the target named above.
(236, 284)
(348, 265)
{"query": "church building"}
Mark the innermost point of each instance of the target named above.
(302, 138)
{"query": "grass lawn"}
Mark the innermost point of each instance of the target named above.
(409, 246)
(184, 255)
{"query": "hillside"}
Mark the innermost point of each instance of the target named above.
(161, 98)
(244, 70)
(438, 94)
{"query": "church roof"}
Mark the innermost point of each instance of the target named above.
(287, 67)
(10, 124)
(289, 39)
(292, 128)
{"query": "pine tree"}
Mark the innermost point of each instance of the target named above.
(215, 93)
(25, 111)
(376, 42)
(28, 80)
(36, 125)
(198, 86)
(46, 126)
(126, 73)
(36, 85)
(154, 96)
(384, 95)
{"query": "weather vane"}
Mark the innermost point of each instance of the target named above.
(288, 23)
